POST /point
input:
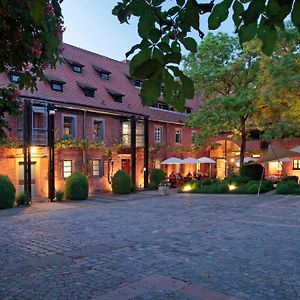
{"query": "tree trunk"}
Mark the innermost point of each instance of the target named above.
(243, 143)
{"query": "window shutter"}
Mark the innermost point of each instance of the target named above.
(60, 169)
(101, 131)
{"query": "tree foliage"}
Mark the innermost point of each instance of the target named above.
(164, 28)
(30, 37)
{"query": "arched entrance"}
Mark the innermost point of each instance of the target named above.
(225, 153)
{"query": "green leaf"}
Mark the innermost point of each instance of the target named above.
(187, 86)
(138, 59)
(189, 44)
(219, 14)
(247, 32)
(238, 10)
(268, 35)
(173, 57)
(146, 25)
(180, 2)
(150, 91)
(155, 35)
(132, 50)
(295, 16)
(146, 69)
(37, 11)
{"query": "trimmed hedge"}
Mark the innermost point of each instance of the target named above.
(23, 199)
(288, 188)
(214, 188)
(76, 187)
(7, 192)
(289, 178)
(156, 177)
(121, 183)
(254, 171)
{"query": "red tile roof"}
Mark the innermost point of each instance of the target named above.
(118, 82)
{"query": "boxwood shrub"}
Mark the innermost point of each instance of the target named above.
(253, 171)
(23, 199)
(121, 183)
(76, 187)
(288, 188)
(7, 192)
(156, 177)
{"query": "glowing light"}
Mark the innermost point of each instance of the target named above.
(187, 188)
(232, 160)
(232, 187)
(33, 150)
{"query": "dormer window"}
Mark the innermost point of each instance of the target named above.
(57, 87)
(88, 90)
(56, 84)
(116, 96)
(76, 66)
(188, 110)
(14, 78)
(104, 74)
(77, 69)
(137, 83)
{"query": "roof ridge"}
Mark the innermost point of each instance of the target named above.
(94, 53)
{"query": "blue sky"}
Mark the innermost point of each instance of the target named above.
(90, 25)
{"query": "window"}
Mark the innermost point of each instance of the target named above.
(104, 75)
(77, 69)
(188, 110)
(193, 137)
(57, 87)
(98, 130)
(118, 98)
(178, 136)
(14, 78)
(89, 93)
(69, 127)
(157, 134)
(296, 164)
(67, 168)
(97, 168)
(137, 83)
(126, 133)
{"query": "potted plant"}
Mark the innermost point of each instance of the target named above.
(164, 188)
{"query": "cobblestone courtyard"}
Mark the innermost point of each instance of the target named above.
(151, 247)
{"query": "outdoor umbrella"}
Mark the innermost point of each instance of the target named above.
(171, 161)
(246, 160)
(206, 160)
(190, 160)
(274, 153)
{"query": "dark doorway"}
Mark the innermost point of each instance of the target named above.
(125, 165)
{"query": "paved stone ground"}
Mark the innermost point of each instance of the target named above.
(150, 247)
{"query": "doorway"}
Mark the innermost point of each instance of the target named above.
(21, 178)
(125, 165)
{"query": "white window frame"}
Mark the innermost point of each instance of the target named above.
(158, 134)
(180, 136)
(96, 168)
(69, 172)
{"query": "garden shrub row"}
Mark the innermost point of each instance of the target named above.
(289, 187)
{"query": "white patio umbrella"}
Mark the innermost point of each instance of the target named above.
(284, 159)
(190, 160)
(206, 160)
(171, 161)
(247, 159)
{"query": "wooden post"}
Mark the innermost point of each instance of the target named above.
(51, 165)
(133, 149)
(146, 151)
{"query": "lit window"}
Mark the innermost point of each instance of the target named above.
(98, 130)
(57, 87)
(69, 127)
(14, 78)
(177, 136)
(157, 134)
(77, 69)
(67, 168)
(126, 133)
(193, 137)
(296, 164)
(97, 168)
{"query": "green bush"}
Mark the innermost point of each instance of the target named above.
(76, 187)
(254, 171)
(23, 199)
(152, 186)
(7, 192)
(223, 188)
(59, 195)
(207, 182)
(156, 177)
(215, 188)
(121, 183)
(268, 184)
(237, 180)
(289, 178)
(288, 188)
(132, 188)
